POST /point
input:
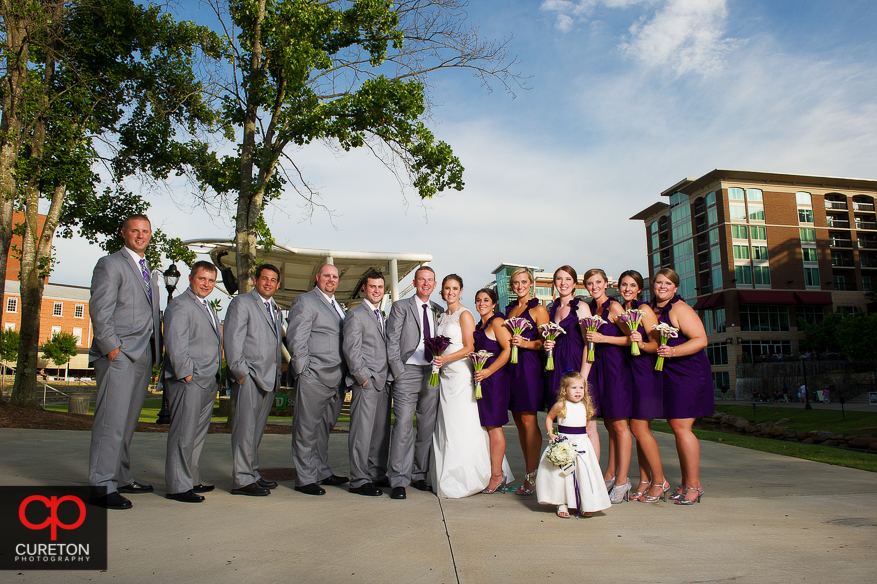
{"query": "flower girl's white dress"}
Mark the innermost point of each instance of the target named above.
(552, 488)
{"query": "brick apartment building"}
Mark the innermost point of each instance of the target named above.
(756, 251)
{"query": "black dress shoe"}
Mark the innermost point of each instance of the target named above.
(266, 484)
(422, 485)
(111, 501)
(398, 493)
(333, 480)
(384, 482)
(252, 489)
(135, 487)
(311, 489)
(186, 497)
(367, 489)
(202, 488)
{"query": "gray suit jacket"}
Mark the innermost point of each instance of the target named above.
(193, 345)
(404, 331)
(251, 343)
(365, 348)
(313, 337)
(121, 313)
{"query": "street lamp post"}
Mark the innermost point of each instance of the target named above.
(807, 405)
(171, 277)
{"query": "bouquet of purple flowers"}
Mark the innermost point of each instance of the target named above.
(591, 324)
(518, 325)
(478, 361)
(550, 331)
(436, 347)
(632, 318)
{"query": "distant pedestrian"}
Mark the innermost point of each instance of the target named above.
(785, 394)
(825, 398)
(802, 393)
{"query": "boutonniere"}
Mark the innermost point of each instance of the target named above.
(383, 314)
(436, 313)
(343, 306)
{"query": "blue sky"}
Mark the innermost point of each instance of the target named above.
(625, 98)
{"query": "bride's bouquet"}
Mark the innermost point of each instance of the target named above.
(436, 347)
(632, 318)
(518, 325)
(591, 324)
(562, 453)
(478, 361)
(667, 332)
(550, 331)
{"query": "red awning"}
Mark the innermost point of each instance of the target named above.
(717, 299)
(765, 297)
(820, 298)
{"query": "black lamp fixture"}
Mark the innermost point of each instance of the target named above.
(739, 340)
(729, 341)
(171, 277)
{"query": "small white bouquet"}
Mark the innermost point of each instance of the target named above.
(562, 453)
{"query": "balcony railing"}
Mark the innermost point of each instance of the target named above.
(699, 209)
(845, 286)
(835, 204)
(863, 206)
(706, 289)
(865, 244)
(703, 246)
(865, 225)
(704, 266)
(840, 223)
(842, 263)
(701, 227)
(841, 242)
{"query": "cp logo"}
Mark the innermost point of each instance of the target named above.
(52, 521)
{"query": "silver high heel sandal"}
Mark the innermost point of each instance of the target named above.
(489, 491)
(610, 484)
(620, 493)
(529, 479)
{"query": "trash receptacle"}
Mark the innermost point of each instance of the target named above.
(78, 403)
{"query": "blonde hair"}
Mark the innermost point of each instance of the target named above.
(593, 272)
(565, 382)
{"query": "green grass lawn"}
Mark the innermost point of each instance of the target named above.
(814, 452)
(849, 423)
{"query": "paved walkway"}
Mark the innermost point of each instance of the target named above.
(764, 518)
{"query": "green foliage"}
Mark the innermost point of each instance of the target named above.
(60, 348)
(9, 344)
(853, 336)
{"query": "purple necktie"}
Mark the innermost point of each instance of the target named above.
(268, 308)
(426, 334)
(378, 316)
(145, 273)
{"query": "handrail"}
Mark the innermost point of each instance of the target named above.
(47, 386)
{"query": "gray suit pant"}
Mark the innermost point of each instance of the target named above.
(369, 438)
(409, 450)
(317, 407)
(191, 407)
(121, 389)
(251, 409)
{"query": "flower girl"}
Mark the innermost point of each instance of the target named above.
(573, 480)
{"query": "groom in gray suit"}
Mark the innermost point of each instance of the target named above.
(365, 351)
(411, 321)
(251, 338)
(313, 337)
(193, 351)
(124, 307)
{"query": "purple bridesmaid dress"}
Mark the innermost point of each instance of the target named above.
(525, 376)
(493, 407)
(613, 385)
(688, 380)
(648, 388)
(568, 351)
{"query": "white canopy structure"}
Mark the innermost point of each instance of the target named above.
(298, 268)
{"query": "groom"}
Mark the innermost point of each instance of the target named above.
(411, 321)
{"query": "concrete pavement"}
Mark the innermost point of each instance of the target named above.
(764, 518)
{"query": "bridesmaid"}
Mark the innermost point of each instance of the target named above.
(688, 383)
(493, 408)
(569, 349)
(526, 380)
(647, 391)
(611, 383)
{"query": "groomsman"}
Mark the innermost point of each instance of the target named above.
(251, 339)
(313, 337)
(411, 321)
(193, 352)
(365, 352)
(124, 308)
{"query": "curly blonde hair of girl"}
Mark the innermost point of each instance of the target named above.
(565, 382)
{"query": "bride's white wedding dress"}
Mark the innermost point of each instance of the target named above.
(461, 448)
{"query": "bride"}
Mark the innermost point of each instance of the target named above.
(461, 447)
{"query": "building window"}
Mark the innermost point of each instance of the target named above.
(738, 212)
(708, 325)
(741, 252)
(12, 304)
(759, 252)
(79, 311)
(77, 332)
(721, 381)
(711, 199)
(808, 235)
(712, 216)
(754, 195)
(739, 232)
(803, 198)
(736, 194)
(759, 233)
(811, 314)
(761, 275)
(9, 326)
(851, 310)
(811, 277)
(756, 213)
(717, 353)
(764, 318)
(656, 261)
(743, 275)
(714, 237)
(809, 254)
(805, 215)
(717, 278)
(866, 283)
(55, 329)
(715, 256)
(840, 283)
(720, 320)
(58, 309)
(763, 351)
